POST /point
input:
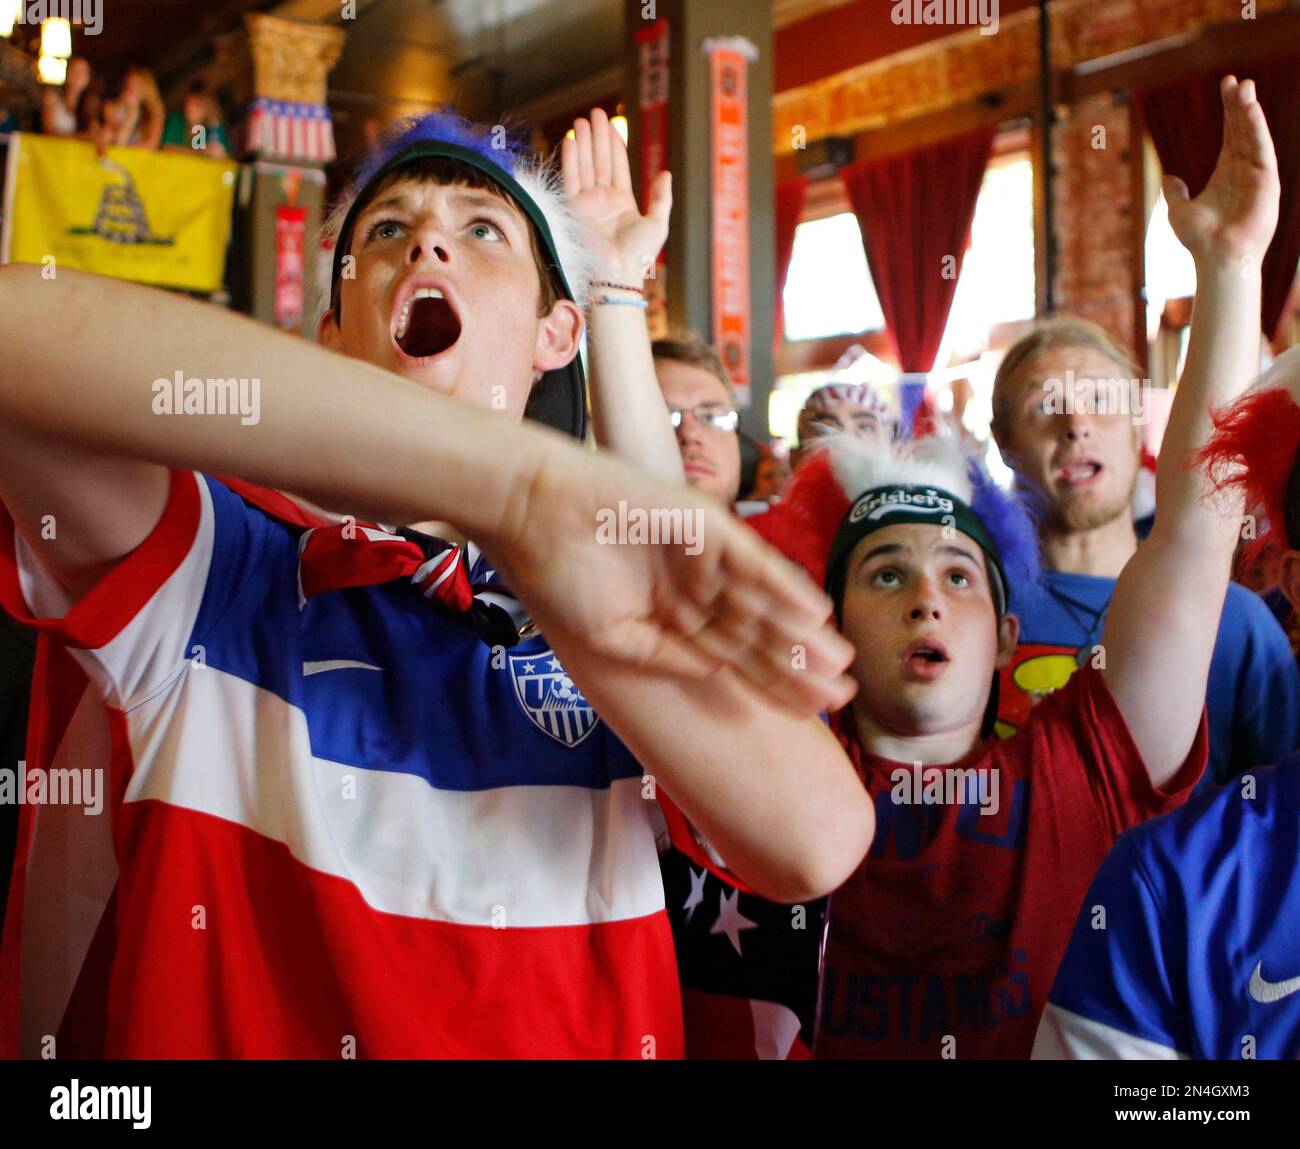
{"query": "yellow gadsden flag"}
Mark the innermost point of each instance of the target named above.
(155, 217)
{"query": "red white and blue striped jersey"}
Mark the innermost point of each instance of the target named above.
(344, 827)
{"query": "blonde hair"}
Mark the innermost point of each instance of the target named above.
(688, 346)
(1061, 333)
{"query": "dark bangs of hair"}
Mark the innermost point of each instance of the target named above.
(445, 171)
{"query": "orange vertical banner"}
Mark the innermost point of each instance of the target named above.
(730, 58)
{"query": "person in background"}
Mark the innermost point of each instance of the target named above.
(842, 409)
(1075, 443)
(1198, 958)
(702, 406)
(60, 106)
(134, 118)
(747, 964)
(197, 110)
(771, 473)
(835, 408)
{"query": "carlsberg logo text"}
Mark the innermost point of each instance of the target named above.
(878, 504)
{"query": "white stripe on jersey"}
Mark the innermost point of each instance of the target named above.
(549, 855)
(1066, 1036)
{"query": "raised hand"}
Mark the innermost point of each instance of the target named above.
(734, 602)
(598, 186)
(1235, 216)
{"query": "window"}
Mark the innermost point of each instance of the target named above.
(1170, 279)
(996, 285)
(1171, 272)
(831, 303)
(828, 290)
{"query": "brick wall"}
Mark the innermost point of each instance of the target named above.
(1095, 214)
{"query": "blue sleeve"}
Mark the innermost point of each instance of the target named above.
(253, 556)
(1119, 989)
(1254, 690)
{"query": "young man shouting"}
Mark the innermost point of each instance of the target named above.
(1067, 416)
(355, 807)
(945, 941)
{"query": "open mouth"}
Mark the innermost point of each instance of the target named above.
(1079, 474)
(926, 659)
(426, 324)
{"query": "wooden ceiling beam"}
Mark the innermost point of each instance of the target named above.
(1214, 48)
(990, 110)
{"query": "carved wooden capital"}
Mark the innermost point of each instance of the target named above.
(291, 61)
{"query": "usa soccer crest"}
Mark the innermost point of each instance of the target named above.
(550, 699)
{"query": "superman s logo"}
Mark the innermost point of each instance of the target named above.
(1035, 670)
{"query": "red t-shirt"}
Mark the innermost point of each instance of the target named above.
(954, 924)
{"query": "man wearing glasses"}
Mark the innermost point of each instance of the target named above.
(702, 406)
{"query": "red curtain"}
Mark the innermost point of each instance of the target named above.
(1186, 125)
(915, 212)
(789, 209)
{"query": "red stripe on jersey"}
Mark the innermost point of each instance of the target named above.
(252, 983)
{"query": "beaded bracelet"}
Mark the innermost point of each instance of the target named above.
(618, 286)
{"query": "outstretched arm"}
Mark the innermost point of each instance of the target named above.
(627, 407)
(1164, 615)
(688, 655)
(346, 434)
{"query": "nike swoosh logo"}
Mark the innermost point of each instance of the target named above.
(1270, 991)
(309, 668)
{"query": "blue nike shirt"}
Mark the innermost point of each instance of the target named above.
(1188, 942)
(1253, 695)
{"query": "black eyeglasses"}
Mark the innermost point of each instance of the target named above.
(713, 415)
